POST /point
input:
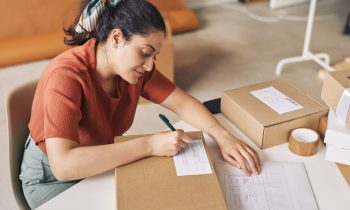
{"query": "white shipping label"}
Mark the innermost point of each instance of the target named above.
(276, 100)
(193, 160)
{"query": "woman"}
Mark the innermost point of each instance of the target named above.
(88, 94)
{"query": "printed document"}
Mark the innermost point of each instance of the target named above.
(280, 185)
(193, 160)
(276, 100)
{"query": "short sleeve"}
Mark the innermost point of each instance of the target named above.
(157, 87)
(62, 101)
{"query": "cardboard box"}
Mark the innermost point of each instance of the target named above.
(334, 85)
(322, 127)
(151, 183)
(262, 124)
(338, 140)
(345, 170)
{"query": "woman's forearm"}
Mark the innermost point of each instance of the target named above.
(193, 112)
(81, 162)
(201, 118)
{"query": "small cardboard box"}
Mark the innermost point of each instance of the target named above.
(344, 169)
(334, 93)
(261, 123)
(322, 127)
(338, 140)
(152, 183)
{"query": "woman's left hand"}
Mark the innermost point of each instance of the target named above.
(239, 154)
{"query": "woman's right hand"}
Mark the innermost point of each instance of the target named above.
(168, 143)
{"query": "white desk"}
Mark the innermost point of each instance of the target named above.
(330, 188)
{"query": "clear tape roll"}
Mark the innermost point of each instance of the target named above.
(303, 141)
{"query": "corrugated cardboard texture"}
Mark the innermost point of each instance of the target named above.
(322, 127)
(333, 87)
(345, 170)
(262, 124)
(152, 183)
(239, 116)
(278, 134)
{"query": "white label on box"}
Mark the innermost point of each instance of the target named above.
(276, 100)
(193, 160)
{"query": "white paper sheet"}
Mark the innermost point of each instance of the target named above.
(338, 155)
(193, 160)
(280, 185)
(276, 100)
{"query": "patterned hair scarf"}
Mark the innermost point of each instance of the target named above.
(88, 18)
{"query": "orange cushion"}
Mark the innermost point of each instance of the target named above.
(167, 5)
(20, 50)
(182, 20)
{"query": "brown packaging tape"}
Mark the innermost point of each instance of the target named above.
(303, 141)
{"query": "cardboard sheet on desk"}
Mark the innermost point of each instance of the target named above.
(152, 183)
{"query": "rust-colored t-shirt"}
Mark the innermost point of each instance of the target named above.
(70, 103)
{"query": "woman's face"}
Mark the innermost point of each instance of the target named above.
(135, 57)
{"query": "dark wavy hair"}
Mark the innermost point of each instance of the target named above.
(132, 17)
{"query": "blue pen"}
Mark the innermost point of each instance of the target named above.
(166, 121)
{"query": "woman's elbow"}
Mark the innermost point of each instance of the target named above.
(60, 173)
(58, 153)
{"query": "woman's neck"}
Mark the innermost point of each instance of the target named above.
(103, 67)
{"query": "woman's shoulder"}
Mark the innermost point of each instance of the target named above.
(80, 59)
(76, 64)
